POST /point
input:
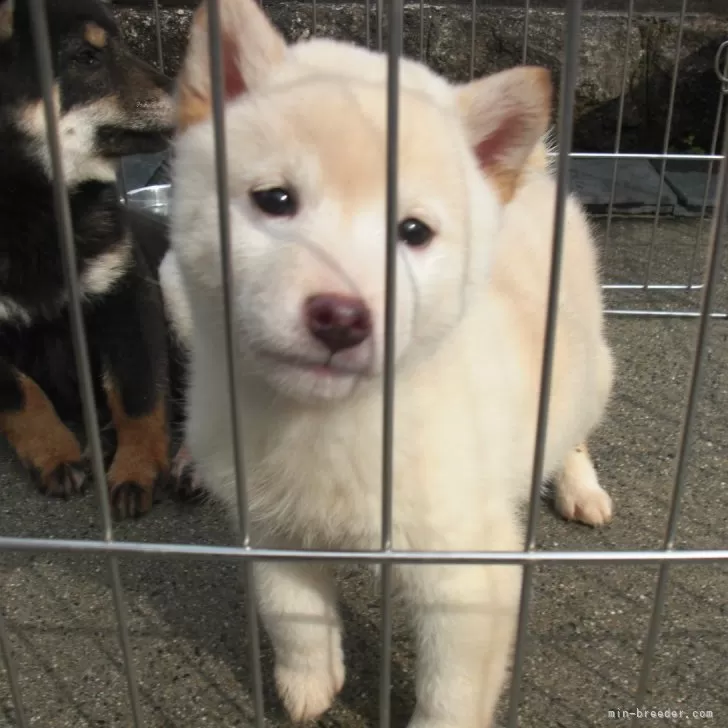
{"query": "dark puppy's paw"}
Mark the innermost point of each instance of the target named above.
(130, 499)
(133, 479)
(64, 480)
(141, 461)
(185, 481)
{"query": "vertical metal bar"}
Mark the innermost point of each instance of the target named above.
(620, 121)
(666, 143)
(380, 22)
(68, 254)
(41, 41)
(422, 30)
(223, 205)
(368, 21)
(314, 17)
(526, 23)
(121, 180)
(395, 51)
(126, 651)
(713, 147)
(158, 29)
(474, 10)
(13, 678)
(717, 241)
(566, 129)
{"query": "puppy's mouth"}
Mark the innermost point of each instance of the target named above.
(318, 366)
(121, 141)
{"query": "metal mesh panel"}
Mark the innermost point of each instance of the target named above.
(245, 553)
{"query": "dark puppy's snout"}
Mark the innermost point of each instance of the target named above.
(147, 76)
(162, 82)
(338, 322)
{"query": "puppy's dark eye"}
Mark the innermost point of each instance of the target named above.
(88, 57)
(276, 201)
(415, 233)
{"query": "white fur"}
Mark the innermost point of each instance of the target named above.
(469, 331)
(99, 276)
(11, 310)
(104, 270)
(77, 136)
(176, 304)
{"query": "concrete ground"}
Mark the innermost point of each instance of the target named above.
(587, 623)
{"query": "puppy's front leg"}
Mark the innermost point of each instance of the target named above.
(142, 452)
(130, 330)
(465, 619)
(297, 602)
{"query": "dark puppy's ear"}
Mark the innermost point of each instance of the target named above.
(6, 19)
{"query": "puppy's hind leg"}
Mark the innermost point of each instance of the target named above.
(43, 443)
(297, 602)
(577, 493)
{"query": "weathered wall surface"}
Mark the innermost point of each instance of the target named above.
(446, 44)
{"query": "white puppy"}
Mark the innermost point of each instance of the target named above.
(306, 134)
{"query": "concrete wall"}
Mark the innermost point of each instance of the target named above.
(499, 44)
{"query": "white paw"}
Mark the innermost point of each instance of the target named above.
(589, 504)
(308, 692)
(578, 495)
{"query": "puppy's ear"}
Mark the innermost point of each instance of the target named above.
(506, 115)
(251, 47)
(6, 19)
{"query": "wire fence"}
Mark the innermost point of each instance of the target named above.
(246, 552)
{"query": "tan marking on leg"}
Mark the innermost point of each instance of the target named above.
(40, 439)
(142, 452)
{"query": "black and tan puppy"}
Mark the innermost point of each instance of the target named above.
(109, 104)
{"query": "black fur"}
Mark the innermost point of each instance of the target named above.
(86, 74)
(124, 317)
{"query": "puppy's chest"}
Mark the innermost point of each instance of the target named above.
(31, 260)
(321, 488)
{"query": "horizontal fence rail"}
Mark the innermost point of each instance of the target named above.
(245, 553)
(210, 552)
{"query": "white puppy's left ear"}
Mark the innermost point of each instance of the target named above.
(505, 116)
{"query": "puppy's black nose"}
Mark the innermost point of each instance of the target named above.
(338, 322)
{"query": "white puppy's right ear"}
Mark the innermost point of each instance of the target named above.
(251, 47)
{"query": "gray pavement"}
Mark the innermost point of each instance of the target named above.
(587, 625)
